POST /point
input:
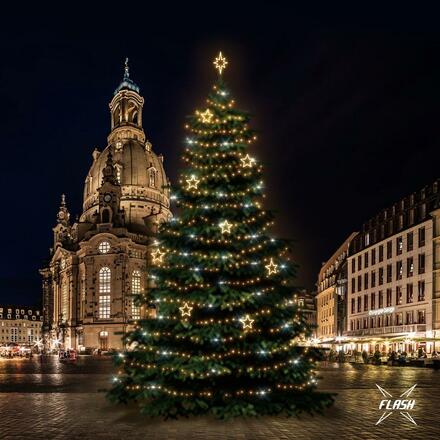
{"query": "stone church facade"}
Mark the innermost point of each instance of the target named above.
(99, 263)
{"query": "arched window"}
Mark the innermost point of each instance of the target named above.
(104, 292)
(105, 215)
(90, 184)
(132, 112)
(116, 116)
(152, 177)
(64, 301)
(135, 290)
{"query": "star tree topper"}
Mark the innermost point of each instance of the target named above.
(271, 267)
(225, 226)
(186, 310)
(220, 63)
(247, 322)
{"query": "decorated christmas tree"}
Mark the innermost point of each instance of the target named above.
(227, 337)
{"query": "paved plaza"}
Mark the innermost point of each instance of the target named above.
(50, 400)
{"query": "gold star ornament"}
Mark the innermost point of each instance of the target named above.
(271, 267)
(192, 182)
(247, 161)
(185, 310)
(220, 63)
(225, 226)
(157, 256)
(247, 322)
(206, 116)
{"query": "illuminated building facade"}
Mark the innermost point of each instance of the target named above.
(20, 325)
(99, 263)
(331, 297)
(394, 278)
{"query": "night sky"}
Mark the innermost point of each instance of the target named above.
(345, 102)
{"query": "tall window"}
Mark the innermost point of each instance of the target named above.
(389, 297)
(135, 290)
(399, 245)
(421, 291)
(64, 301)
(373, 256)
(389, 273)
(409, 241)
(398, 295)
(118, 173)
(389, 249)
(104, 292)
(399, 270)
(421, 237)
(409, 267)
(409, 293)
(380, 253)
(152, 178)
(422, 263)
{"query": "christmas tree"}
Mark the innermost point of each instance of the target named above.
(227, 337)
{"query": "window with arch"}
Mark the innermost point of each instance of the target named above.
(116, 116)
(90, 185)
(132, 112)
(135, 290)
(104, 292)
(64, 301)
(152, 177)
(104, 247)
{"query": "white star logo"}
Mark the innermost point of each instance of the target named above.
(401, 403)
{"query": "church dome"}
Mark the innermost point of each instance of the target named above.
(139, 170)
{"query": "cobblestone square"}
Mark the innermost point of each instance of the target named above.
(49, 400)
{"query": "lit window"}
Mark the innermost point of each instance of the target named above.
(64, 302)
(104, 306)
(104, 247)
(135, 290)
(104, 280)
(118, 173)
(152, 178)
(104, 292)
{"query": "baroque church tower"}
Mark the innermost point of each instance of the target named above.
(99, 263)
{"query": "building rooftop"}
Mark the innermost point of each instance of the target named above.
(407, 212)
